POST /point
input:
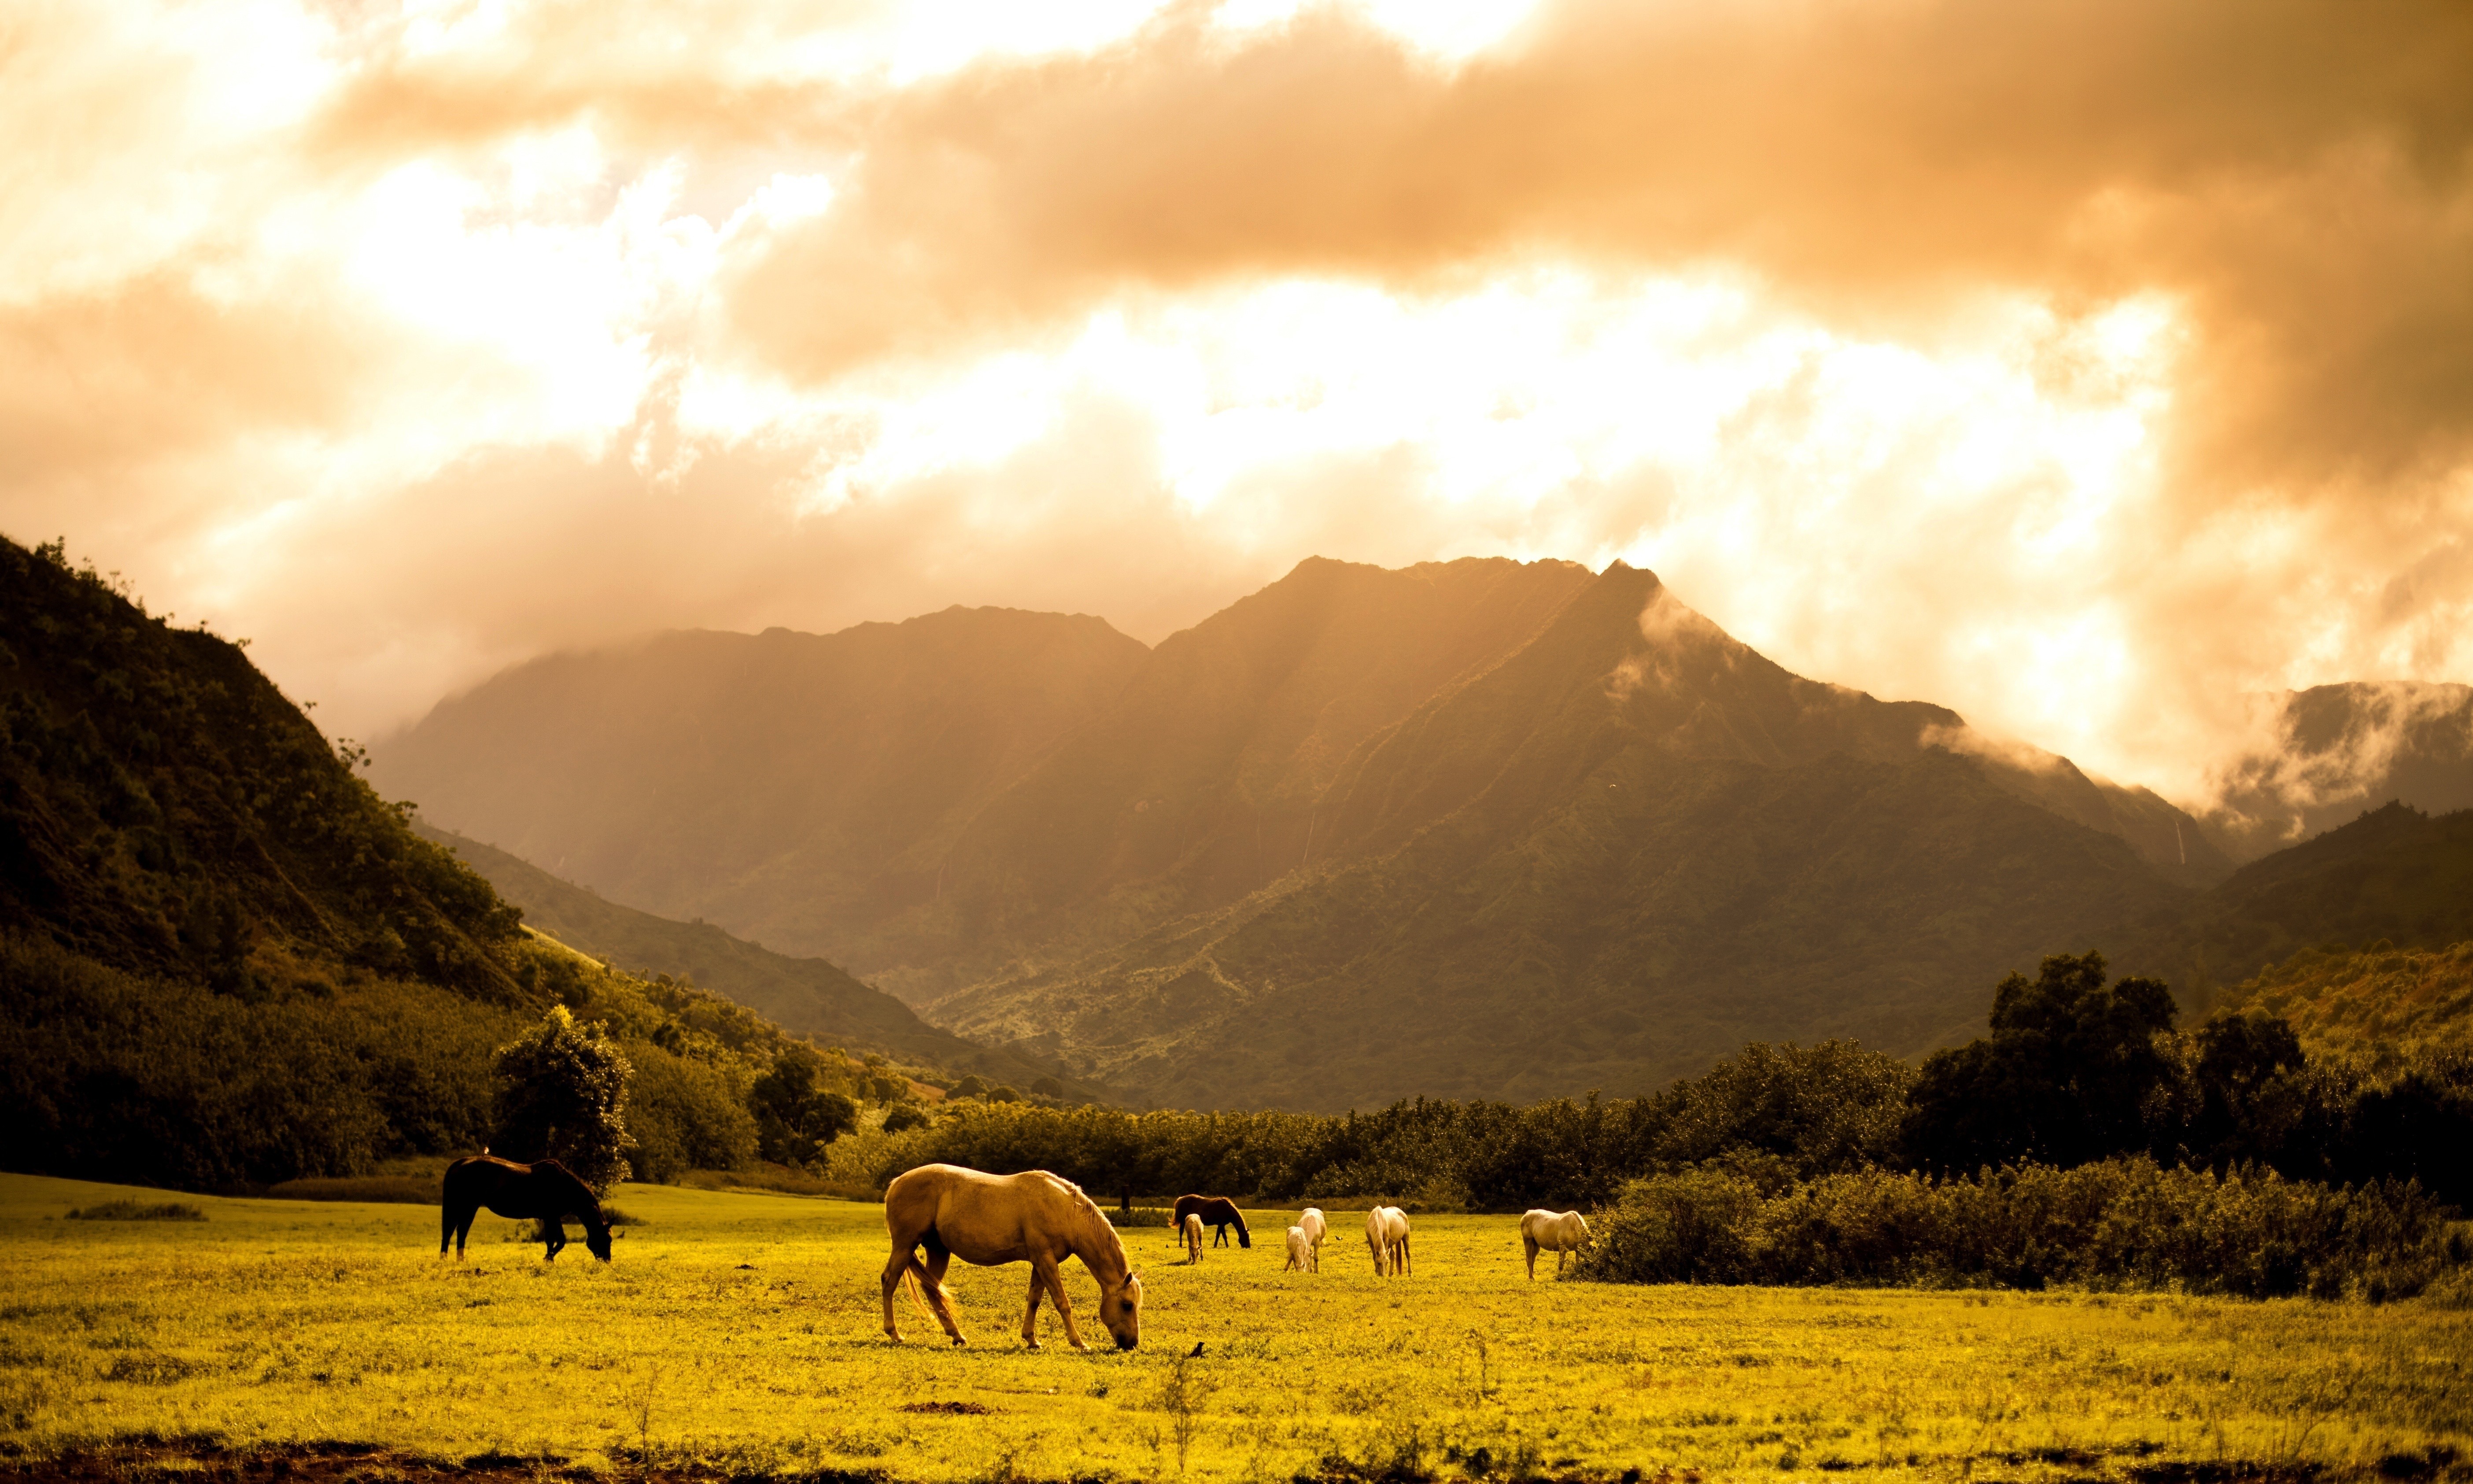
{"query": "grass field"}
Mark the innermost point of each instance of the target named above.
(737, 1334)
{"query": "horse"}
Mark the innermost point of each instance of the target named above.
(1315, 1229)
(1299, 1252)
(1192, 1240)
(1560, 1233)
(1218, 1212)
(1386, 1234)
(545, 1191)
(1034, 1217)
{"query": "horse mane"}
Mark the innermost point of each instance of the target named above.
(590, 1211)
(1103, 1231)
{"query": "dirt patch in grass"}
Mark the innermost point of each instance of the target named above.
(202, 1461)
(134, 1210)
(948, 1408)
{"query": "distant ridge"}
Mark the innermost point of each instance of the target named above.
(805, 997)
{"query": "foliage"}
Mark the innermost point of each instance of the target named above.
(296, 1324)
(2380, 997)
(562, 1095)
(795, 1115)
(165, 811)
(2116, 1223)
(2062, 1078)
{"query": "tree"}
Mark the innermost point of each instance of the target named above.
(562, 1095)
(905, 1115)
(2063, 1078)
(795, 1119)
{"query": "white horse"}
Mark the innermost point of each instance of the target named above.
(1560, 1233)
(1299, 1252)
(1314, 1228)
(1386, 1236)
(1192, 1240)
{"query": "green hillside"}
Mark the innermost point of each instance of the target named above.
(1616, 855)
(805, 996)
(2378, 998)
(2393, 874)
(224, 962)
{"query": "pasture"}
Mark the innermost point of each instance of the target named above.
(738, 1334)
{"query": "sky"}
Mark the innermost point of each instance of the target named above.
(2087, 366)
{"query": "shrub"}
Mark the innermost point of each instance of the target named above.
(2114, 1223)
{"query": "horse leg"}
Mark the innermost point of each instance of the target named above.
(1530, 1242)
(553, 1238)
(464, 1220)
(1030, 1312)
(933, 1276)
(1045, 1271)
(445, 1226)
(895, 1270)
(1402, 1262)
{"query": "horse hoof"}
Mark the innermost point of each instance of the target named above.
(958, 1342)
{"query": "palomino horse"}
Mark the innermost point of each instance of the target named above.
(1315, 1229)
(1386, 1234)
(1033, 1217)
(1560, 1233)
(1192, 1240)
(545, 1191)
(1299, 1252)
(1218, 1212)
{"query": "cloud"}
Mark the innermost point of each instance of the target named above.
(2080, 365)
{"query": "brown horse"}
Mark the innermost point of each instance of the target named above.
(1218, 1212)
(547, 1193)
(987, 1219)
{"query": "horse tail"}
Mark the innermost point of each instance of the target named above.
(910, 1281)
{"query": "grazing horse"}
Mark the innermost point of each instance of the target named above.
(1218, 1212)
(1034, 1217)
(1387, 1234)
(1560, 1233)
(1192, 1240)
(1315, 1229)
(545, 1191)
(1299, 1252)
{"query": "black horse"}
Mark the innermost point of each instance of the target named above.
(1218, 1213)
(547, 1192)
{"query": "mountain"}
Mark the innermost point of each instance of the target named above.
(164, 810)
(1618, 851)
(2393, 874)
(797, 788)
(805, 997)
(2336, 751)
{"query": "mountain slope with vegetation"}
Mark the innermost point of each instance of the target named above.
(805, 996)
(224, 962)
(2377, 1000)
(2393, 874)
(1611, 858)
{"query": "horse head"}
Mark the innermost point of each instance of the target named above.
(1120, 1309)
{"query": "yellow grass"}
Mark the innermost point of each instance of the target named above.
(741, 1329)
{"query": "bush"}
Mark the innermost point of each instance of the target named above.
(684, 1116)
(2116, 1223)
(562, 1095)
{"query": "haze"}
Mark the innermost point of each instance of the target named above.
(2085, 366)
